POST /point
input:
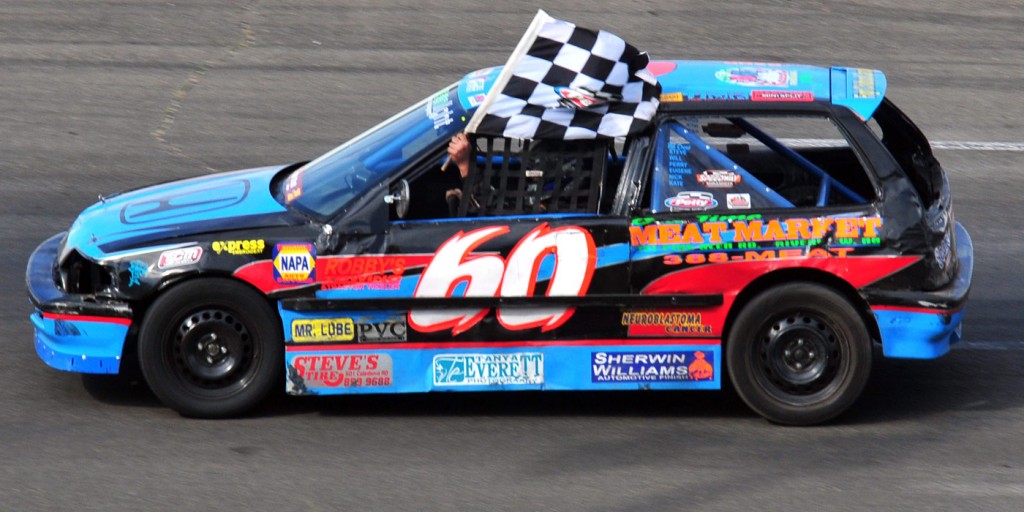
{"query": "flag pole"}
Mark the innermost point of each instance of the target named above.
(506, 73)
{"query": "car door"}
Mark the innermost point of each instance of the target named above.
(731, 197)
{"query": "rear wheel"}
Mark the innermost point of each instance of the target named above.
(799, 354)
(211, 348)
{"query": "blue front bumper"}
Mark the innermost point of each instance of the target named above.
(73, 332)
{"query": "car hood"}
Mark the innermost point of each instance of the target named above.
(217, 202)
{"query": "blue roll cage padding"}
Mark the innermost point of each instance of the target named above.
(726, 163)
(805, 164)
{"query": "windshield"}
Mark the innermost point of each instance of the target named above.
(330, 182)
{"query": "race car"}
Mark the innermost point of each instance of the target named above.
(775, 223)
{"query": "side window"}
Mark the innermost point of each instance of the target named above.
(515, 177)
(721, 163)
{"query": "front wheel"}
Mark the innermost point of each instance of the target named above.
(211, 348)
(799, 354)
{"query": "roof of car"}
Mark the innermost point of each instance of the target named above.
(861, 90)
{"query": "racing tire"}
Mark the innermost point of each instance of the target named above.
(799, 354)
(211, 348)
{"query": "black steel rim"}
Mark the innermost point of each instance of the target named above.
(212, 352)
(799, 357)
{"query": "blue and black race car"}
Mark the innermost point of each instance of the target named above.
(775, 222)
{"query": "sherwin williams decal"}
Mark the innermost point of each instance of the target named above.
(294, 263)
(660, 366)
(305, 330)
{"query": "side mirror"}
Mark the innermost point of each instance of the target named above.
(400, 199)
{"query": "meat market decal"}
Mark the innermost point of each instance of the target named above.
(668, 366)
(294, 263)
(306, 330)
(741, 232)
(488, 369)
(456, 267)
(349, 370)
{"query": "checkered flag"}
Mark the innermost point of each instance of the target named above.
(565, 82)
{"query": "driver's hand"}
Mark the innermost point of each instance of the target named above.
(458, 153)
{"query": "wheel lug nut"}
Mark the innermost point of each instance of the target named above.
(799, 366)
(223, 350)
(787, 353)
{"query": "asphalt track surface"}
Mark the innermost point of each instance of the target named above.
(105, 95)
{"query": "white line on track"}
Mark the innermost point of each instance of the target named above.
(948, 145)
(989, 345)
(955, 145)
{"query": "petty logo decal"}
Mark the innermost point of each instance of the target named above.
(691, 201)
(294, 263)
(566, 256)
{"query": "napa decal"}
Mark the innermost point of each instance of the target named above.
(314, 330)
(294, 263)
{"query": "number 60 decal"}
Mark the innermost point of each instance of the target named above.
(489, 275)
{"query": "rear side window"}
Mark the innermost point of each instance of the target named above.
(741, 162)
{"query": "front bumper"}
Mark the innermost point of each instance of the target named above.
(73, 332)
(923, 325)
